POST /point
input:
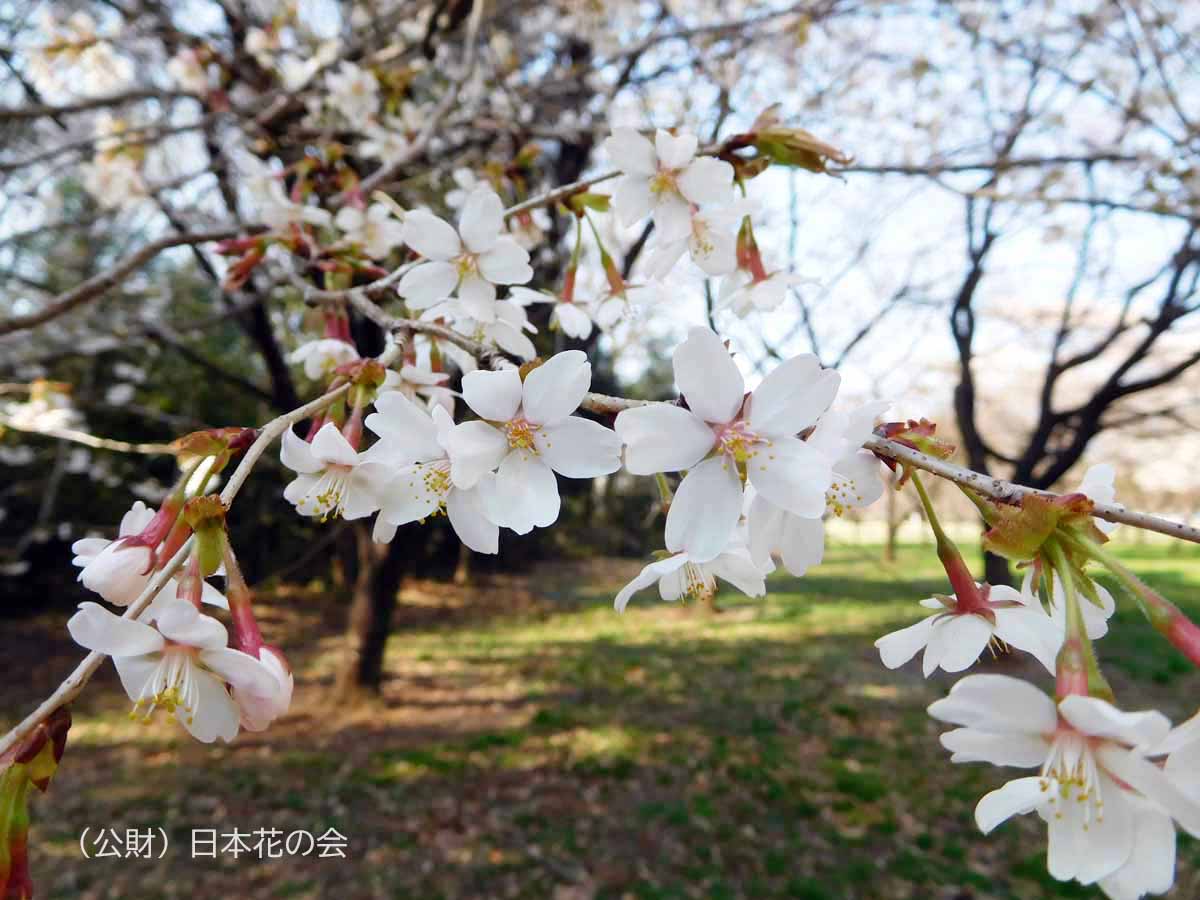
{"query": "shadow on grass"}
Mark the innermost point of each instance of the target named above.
(567, 752)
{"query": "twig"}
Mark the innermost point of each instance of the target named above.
(90, 440)
(1007, 492)
(447, 101)
(99, 283)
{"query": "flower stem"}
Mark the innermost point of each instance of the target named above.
(965, 591)
(1167, 618)
(1078, 669)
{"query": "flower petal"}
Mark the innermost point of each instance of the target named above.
(1150, 868)
(792, 397)
(791, 475)
(136, 519)
(707, 180)
(1019, 796)
(555, 389)
(424, 285)
(579, 448)
(408, 497)
(1027, 751)
(705, 510)
(506, 263)
(1100, 718)
(408, 429)
(241, 670)
(216, 715)
(95, 628)
(493, 395)
(475, 449)
(662, 437)
(898, 647)
(737, 568)
(708, 377)
(331, 447)
(364, 487)
(1152, 783)
(430, 236)
(180, 622)
(802, 544)
(464, 509)
(672, 217)
(481, 219)
(527, 491)
(674, 151)
(632, 200)
(997, 703)
(478, 298)
(1031, 630)
(647, 577)
(630, 152)
(296, 453)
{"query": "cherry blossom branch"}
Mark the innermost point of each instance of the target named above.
(603, 404)
(444, 105)
(39, 111)
(96, 285)
(90, 440)
(74, 683)
(996, 488)
(1008, 492)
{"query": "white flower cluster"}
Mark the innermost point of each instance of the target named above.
(173, 656)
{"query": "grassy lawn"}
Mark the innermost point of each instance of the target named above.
(532, 743)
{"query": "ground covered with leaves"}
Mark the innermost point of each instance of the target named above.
(532, 743)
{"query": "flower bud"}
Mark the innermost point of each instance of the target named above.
(792, 146)
(34, 763)
(206, 516)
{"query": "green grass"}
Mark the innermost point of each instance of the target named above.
(759, 752)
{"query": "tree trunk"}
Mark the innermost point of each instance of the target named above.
(380, 571)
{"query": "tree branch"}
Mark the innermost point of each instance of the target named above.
(99, 283)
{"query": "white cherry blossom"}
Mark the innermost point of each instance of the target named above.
(119, 573)
(470, 261)
(953, 638)
(664, 180)
(1108, 808)
(388, 142)
(417, 383)
(742, 294)
(188, 71)
(333, 479)
(711, 242)
(527, 433)
(756, 435)
(353, 92)
(466, 182)
(375, 228)
(799, 541)
(262, 701)
(679, 575)
(415, 445)
(264, 187)
(181, 665)
(321, 357)
(568, 316)
(506, 330)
